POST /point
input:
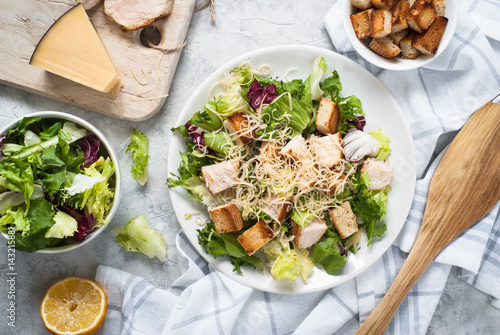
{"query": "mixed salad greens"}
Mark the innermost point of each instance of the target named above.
(56, 185)
(269, 179)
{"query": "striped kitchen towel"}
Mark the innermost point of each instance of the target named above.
(437, 100)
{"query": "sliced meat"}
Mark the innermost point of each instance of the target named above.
(311, 234)
(327, 149)
(297, 148)
(136, 14)
(220, 176)
(379, 172)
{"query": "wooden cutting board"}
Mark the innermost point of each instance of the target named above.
(147, 73)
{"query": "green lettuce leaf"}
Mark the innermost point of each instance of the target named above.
(41, 215)
(297, 118)
(327, 253)
(283, 261)
(34, 242)
(384, 142)
(370, 206)
(19, 177)
(65, 225)
(139, 147)
(226, 245)
(16, 135)
(219, 142)
(138, 236)
(313, 81)
(207, 120)
(17, 218)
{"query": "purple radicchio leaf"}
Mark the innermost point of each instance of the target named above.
(358, 122)
(196, 134)
(258, 95)
(90, 147)
(341, 248)
(85, 223)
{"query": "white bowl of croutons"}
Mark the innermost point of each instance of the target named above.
(400, 34)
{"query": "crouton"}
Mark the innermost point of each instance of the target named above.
(399, 12)
(327, 118)
(344, 220)
(380, 25)
(238, 126)
(327, 149)
(439, 7)
(428, 42)
(256, 237)
(397, 37)
(275, 208)
(361, 4)
(220, 176)
(226, 218)
(297, 148)
(361, 23)
(407, 50)
(379, 172)
(384, 47)
(383, 4)
(310, 234)
(421, 15)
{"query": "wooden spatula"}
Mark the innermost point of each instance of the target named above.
(464, 188)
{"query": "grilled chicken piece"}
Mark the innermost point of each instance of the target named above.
(379, 172)
(310, 234)
(327, 149)
(220, 176)
(297, 148)
(136, 14)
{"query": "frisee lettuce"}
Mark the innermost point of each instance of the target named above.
(139, 147)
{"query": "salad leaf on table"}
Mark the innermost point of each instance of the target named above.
(139, 147)
(138, 236)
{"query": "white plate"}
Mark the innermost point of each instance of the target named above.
(381, 110)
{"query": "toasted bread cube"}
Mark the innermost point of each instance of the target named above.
(238, 126)
(361, 23)
(421, 15)
(383, 4)
(220, 176)
(327, 118)
(384, 47)
(380, 25)
(428, 41)
(379, 172)
(327, 149)
(398, 37)
(344, 220)
(407, 50)
(256, 237)
(297, 148)
(439, 7)
(361, 4)
(226, 218)
(399, 13)
(276, 209)
(310, 234)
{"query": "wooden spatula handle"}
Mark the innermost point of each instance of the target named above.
(419, 258)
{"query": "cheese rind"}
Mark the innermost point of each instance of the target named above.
(72, 49)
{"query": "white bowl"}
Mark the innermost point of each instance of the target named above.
(112, 155)
(397, 63)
